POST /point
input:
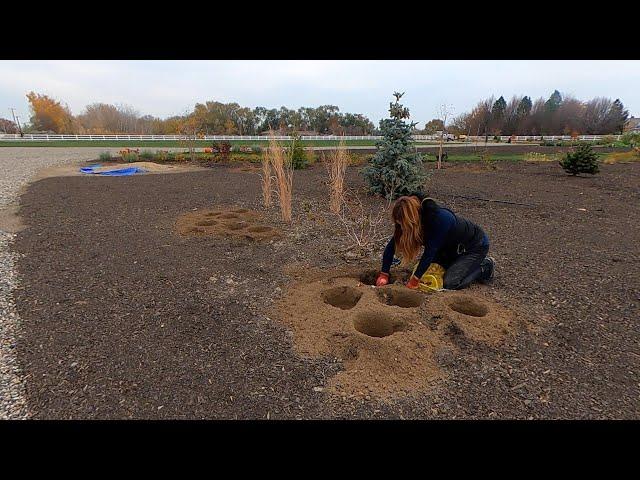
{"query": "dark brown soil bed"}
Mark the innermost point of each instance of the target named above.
(123, 317)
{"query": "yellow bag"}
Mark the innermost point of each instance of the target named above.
(433, 279)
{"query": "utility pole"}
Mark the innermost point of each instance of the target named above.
(16, 120)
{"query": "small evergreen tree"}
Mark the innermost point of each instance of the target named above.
(582, 160)
(396, 168)
(299, 158)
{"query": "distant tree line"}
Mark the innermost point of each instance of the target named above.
(7, 126)
(213, 118)
(557, 115)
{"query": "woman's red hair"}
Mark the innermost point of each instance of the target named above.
(408, 228)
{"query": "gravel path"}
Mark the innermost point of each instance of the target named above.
(17, 167)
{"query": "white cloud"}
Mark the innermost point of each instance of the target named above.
(170, 87)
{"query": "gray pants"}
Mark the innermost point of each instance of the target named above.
(464, 268)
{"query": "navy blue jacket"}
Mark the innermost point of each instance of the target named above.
(442, 231)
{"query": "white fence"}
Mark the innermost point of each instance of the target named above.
(55, 137)
(52, 137)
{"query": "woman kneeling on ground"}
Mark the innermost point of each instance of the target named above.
(455, 243)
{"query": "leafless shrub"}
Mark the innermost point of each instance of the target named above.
(445, 112)
(189, 132)
(362, 225)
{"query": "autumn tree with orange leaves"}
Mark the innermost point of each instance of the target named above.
(49, 114)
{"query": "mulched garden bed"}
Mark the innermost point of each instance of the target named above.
(123, 317)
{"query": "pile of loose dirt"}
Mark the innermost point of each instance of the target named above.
(237, 222)
(387, 338)
(148, 166)
(73, 170)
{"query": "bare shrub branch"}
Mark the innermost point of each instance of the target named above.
(362, 226)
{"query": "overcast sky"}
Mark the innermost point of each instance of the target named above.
(164, 88)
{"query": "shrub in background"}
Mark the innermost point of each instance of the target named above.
(130, 157)
(582, 160)
(297, 154)
(311, 157)
(487, 160)
(165, 156)
(631, 139)
(222, 150)
(105, 157)
(396, 168)
(146, 155)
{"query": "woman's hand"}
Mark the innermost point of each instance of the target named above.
(413, 282)
(382, 280)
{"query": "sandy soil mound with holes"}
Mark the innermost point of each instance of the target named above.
(237, 222)
(388, 338)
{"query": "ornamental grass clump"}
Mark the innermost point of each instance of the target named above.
(337, 167)
(282, 167)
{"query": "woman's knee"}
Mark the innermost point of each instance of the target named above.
(452, 282)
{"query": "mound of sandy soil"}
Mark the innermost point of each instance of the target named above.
(237, 222)
(389, 339)
(74, 169)
(148, 166)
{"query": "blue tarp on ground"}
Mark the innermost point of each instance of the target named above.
(118, 172)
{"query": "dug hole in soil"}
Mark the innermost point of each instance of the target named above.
(238, 222)
(386, 337)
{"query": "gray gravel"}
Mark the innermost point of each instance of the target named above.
(17, 167)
